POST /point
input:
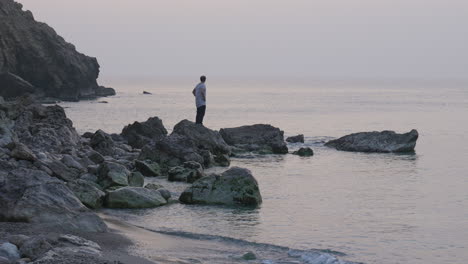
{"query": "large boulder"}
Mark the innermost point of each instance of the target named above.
(134, 197)
(35, 197)
(35, 59)
(202, 137)
(148, 168)
(112, 174)
(190, 171)
(103, 143)
(235, 186)
(88, 193)
(140, 134)
(259, 138)
(385, 141)
(171, 151)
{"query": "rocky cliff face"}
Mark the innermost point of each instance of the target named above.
(32, 53)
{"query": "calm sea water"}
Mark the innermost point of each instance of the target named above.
(375, 208)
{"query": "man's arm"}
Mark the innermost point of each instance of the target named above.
(203, 93)
(193, 92)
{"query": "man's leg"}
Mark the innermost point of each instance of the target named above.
(202, 113)
(197, 119)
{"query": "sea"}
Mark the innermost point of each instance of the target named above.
(334, 207)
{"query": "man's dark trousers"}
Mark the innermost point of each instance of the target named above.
(200, 114)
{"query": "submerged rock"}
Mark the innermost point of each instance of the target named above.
(36, 59)
(134, 197)
(235, 186)
(35, 197)
(385, 141)
(296, 139)
(257, 138)
(140, 134)
(304, 152)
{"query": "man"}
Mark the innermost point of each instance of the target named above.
(200, 100)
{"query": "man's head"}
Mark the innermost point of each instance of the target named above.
(203, 78)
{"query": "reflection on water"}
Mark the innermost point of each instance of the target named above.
(376, 208)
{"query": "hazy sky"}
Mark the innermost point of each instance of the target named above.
(321, 39)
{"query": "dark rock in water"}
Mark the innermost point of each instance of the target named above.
(235, 186)
(103, 143)
(145, 92)
(103, 102)
(202, 137)
(35, 197)
(171, 151)
(140, 134)
(14, 86)
(35, 53)
(257, 138)
(296, 139)
(189, 172)
(249, 256)
(134, 197)
(105, 91)
(385, 141)
(148, 168)
(304, 152)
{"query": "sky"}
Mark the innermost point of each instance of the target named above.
(315, 39)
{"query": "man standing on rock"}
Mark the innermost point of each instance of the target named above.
(200, 100)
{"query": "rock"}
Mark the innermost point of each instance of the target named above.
(63, 172)
(14, 86)
(222, 160)
(103, 102)
(145, 92)
(44, 129)
(112, 174)
(140, 134)
(9, 252)
(4, 260)
(296, 139)
(385, 141)
(235, 186)
(153, 186)
(88, 193)
(136, 179)
(105, 91)
(102, 143)
(259, 138)
(148, 168)
(78, 241)
(249, 256)
(304, 152)
(35, 247)
(22, 152)
(171, 151)
(17, 240)
(166, 194)
(202, 137)
(89, 177)
(95, 157)
(7, 135)
(35, 197)
(189, 172)
(134, 197)
(71, 162)
(36, 59)
(88, 135)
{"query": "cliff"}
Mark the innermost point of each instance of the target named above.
(34, 59)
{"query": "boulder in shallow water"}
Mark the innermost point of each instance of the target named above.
(304, 152)
(296, 139)
(235, 186)
(385, 141)
(259, 138)
(134, 197)
(140, 134)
